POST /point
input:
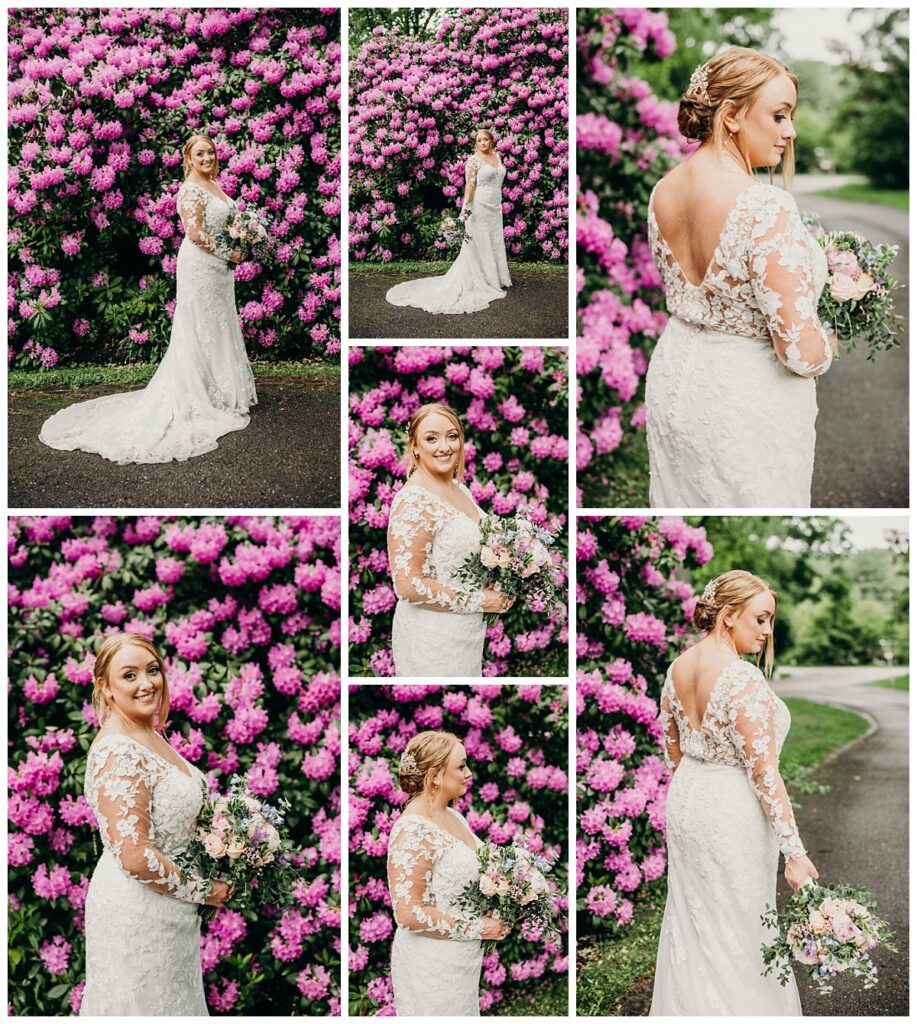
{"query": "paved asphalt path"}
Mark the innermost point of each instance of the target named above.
(535, 307)
(287, 457)
(861, 452)
(858, 833)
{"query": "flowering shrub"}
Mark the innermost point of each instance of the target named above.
(101, 102)
(246, 613)
(414, 108)
(634, 609)
(626, 139)
(516, 741)
(513, 403)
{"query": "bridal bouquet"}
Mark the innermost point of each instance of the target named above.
(241, 839)
(511, 886)
(514, 559)
(247, 231)
(857, 301)
(452, 232)
(832, 929)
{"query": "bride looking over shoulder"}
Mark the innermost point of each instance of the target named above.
(730, 394)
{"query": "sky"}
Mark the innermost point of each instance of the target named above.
(869, 531)
(807, 31)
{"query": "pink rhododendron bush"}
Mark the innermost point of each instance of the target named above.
(513, 404)
(634, 607)
(516, 741)
(415, 105)
(246, 613)
(101, 102)
(626, 139)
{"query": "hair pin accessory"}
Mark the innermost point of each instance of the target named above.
(709, 592)
(408, 763)
(698, 84)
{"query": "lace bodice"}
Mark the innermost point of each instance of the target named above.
(203, 216)
(146, 808)
(744, 725)
(764, 280)
(427, 869)
(428, 540)
(483, 183)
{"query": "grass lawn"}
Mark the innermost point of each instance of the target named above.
(84, 376)
(865, 194)
(547, 998)
(628, 484)
(616, 972)
(437, 267)
(898, 683)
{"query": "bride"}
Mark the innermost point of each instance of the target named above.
(730, 394)
(480, 273)
(432, 855)
(434, 525)
(204, 386)
(142, 924)
(727, 812)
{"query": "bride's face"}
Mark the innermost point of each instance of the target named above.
(135, 683)
(437, 445)
(203, 159)
(752, 624)
(767, 126)
(483, 142)
(456, 774)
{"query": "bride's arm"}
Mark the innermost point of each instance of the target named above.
(471, 182)
(124, 814)
(783, 280)
(410, 867)
(752, 720)
(191, 210)
(671, 751)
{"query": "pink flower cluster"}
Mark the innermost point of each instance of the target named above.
(100, 105)
(415, 105)
(637, 601)
(246, 610)
(513, 405)
(519, 788)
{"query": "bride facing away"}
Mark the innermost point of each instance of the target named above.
(730, 390)
(434, 525)
(728, 816)
(432, 856)
(142, 924)
(480, 273)
(204, 387)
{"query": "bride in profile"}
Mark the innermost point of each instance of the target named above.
(730, 394)
(143, 953)
(728, 815)
(204, 387)
(434, 525)
(432, 856)
(480, 274)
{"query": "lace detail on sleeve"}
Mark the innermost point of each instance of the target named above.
(119, 778)
(671, 750)
(783, 282)
(412, 850)
(471, 180)
(192, 207)
(414, 519)
(752, 724)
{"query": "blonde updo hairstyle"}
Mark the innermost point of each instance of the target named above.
(734, 78)
(186, 154)
(730, 592)
(106, 651)
(410, 461)
(430, 751)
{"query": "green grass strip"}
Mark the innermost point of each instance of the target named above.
(898, 198)
(898, 683)
(441, 266)
(547, 998)
(85, 376)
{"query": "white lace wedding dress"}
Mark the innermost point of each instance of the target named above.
(436, 956)
(142, 925)
(727, 816)
(438, 628)
(730, 399)
(203, 388)
(480, 273)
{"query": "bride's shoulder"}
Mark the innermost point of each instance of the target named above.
(107, 744)
(474, 161)
(746, 679)
(762, 195)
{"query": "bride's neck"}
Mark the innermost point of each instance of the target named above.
(434, 483)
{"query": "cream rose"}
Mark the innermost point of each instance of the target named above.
(844, 288)
(487, 885)
(488, 558)
(235, 849)
(504, 558)
(214, 845)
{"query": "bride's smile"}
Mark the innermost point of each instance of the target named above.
(135, 683)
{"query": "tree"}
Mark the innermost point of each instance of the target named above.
(421, 22)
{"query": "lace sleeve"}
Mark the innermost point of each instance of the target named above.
(783, 281)
(671, 750)
(752, 713)
(471, 182)
(413, 521)
(411, 852)
(119, 780)
(192, 203)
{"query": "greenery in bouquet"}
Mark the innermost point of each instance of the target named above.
(857, 300)
(453, 233)
(248, 231)
(832, 929)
